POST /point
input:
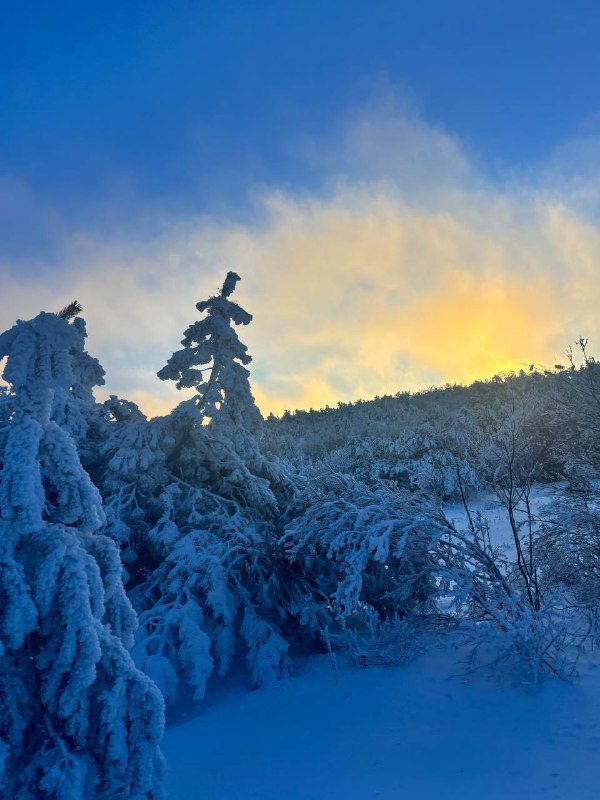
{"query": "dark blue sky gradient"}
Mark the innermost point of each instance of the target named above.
(186, 105)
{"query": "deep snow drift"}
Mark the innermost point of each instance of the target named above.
(390, 733)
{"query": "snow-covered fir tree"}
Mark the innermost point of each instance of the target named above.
(212, 522)
(77, 718)
(224, 394)
(223, 454)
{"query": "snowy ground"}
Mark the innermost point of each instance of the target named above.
(491, 509)
(392, 733)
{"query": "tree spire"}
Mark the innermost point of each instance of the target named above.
(222, 385)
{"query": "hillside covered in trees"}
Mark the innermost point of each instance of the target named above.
(145, 560)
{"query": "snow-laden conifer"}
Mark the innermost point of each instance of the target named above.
(213, 361)
(211, 521)
(77, 718)
(223, 454)
(213, 590)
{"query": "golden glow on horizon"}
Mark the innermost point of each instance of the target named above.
(463, 332)
(393, 300)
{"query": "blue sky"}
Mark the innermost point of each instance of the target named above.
(187, 103)
(137, 127)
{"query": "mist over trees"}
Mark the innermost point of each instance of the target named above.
(143, 560)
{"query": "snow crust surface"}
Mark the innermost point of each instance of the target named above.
(392, 733)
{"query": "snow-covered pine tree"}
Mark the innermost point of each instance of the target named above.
(224, 453)
(224, 395)
(77, 409)
(215, 541)
(77, 718)
(133, 476)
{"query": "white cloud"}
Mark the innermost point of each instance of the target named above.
(410, 268)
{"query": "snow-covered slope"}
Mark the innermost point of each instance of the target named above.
(393, 733)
